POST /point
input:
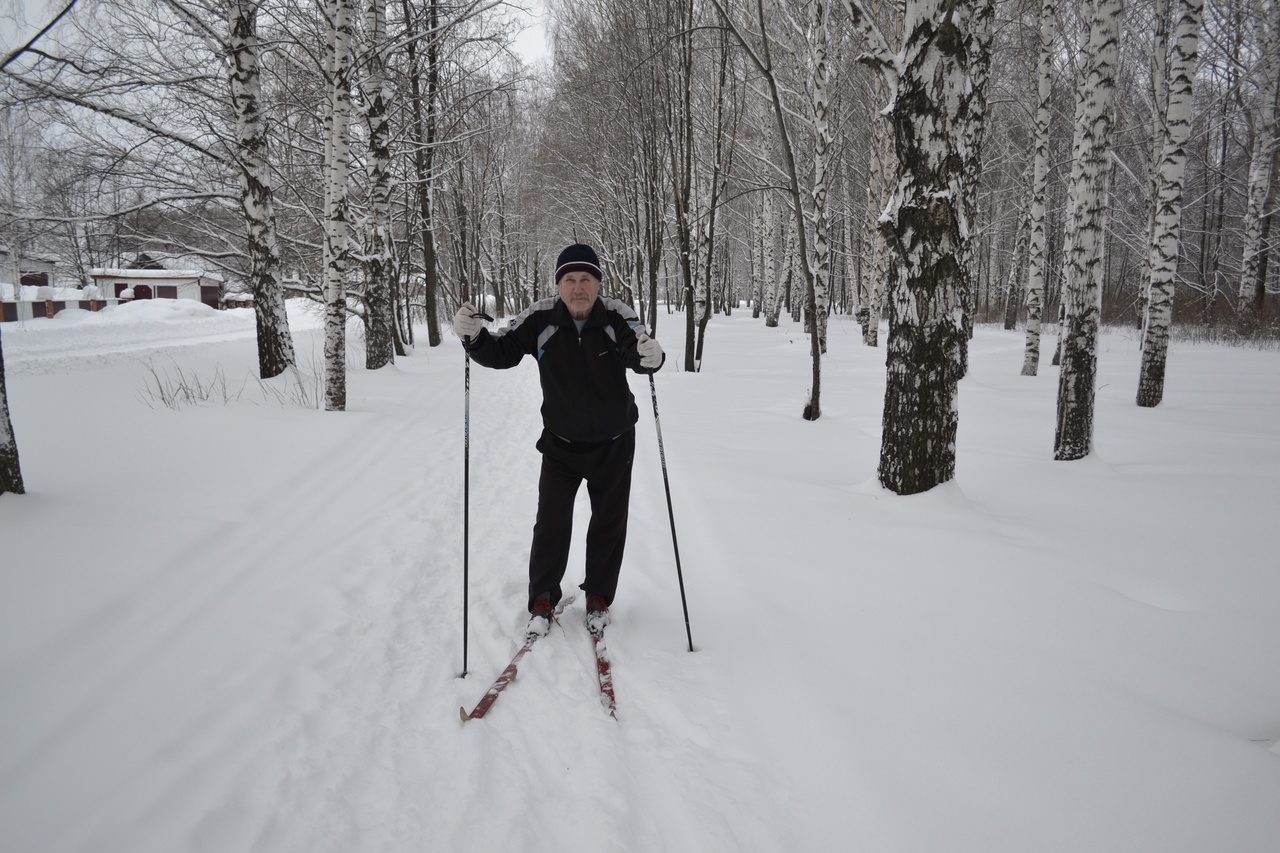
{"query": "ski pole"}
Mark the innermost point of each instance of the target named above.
(666, 484)
(466, 496)
(466, 489)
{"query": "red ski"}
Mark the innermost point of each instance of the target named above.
(605, 671)
(508, 674)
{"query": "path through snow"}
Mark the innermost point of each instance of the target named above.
(238, 626)
(273, 663)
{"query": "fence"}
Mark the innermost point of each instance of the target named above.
(13, 311)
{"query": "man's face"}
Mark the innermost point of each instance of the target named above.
(578, 291)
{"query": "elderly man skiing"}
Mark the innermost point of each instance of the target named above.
(584, 344)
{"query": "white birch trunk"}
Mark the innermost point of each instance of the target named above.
(973, 125)
(772, 270)
(930, 96)
(1036, 256)
(1261, 159)
(336, 220)
(10, 471)
(1159, 72)
(850, 242)
(875, 251)
(275, 342)
(1162, 259)
(758, 268)
(821, 271)
(379, 254)
(1087, 231)
(1013, 292)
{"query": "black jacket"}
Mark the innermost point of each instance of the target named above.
(585, 397)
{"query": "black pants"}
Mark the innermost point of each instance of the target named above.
(606, 467)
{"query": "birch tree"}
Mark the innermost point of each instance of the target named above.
(973, 127)
(929, 90)
(821, 102)
(10, 471)
(651, 180)
(257, 196)
(678, 110)
(1159, 73)
(768, 260)
(424, 132)
(619, 83)
(337, 149)
(1036, 259)
(761, 57)
(757, 265)
(379, 259)
(723, 145)
(1166, 235)
(789, 264)
(1266, 77)
(1085, 261)
(168, 122)
(875, 251)
(1012, 289)
(17, 154)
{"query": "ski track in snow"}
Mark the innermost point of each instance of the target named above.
(354, 742)
(546, 769)
(260, 649)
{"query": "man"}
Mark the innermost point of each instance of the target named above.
(583, 344)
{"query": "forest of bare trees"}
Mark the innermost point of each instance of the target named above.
(1036, 163)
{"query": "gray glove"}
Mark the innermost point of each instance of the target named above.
(468, 322)
(650, 352)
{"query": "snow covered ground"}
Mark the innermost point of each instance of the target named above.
(238, 626)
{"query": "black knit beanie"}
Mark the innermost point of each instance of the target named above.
(578, 258)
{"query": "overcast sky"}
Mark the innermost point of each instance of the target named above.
(21, 19)
(532, 42)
